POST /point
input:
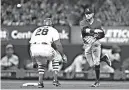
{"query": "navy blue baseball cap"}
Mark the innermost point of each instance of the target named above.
(88, 11)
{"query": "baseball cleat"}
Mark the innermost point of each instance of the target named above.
(56, 83)
(96, 84)
(40, 85)
(106, 59)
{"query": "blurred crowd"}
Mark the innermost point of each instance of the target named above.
(63, 12)
(80, 64)
(10, 61)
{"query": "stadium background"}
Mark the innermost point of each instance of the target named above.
(18, 22)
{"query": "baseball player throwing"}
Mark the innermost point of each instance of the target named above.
(91, 33)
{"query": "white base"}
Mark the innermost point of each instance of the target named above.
(30, 84)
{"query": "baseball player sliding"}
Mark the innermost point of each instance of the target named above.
(45, 45)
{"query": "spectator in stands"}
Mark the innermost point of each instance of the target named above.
(112, 13)
(10, 61)
(63, 19)
(29, 65)
(77, 64)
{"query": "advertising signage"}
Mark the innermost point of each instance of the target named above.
(20, 35)
(116, 35)
(113, 35)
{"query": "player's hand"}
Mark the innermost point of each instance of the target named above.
(64, 58)
(98, 33)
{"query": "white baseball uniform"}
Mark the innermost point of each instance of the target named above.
(41, 41)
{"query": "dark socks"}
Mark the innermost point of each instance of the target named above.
(97, 72)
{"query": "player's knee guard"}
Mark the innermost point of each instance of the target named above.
(55, 65)
(41, 69)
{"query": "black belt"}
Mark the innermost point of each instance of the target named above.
(40, 43)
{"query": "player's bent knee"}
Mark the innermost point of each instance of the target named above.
(97, 63)
(97, 67)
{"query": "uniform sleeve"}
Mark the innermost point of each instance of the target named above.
(15, 60)
(55, 35)
(84, 27)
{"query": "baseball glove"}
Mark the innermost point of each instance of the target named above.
(98, 34)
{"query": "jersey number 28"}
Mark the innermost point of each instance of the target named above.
(41, 32)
